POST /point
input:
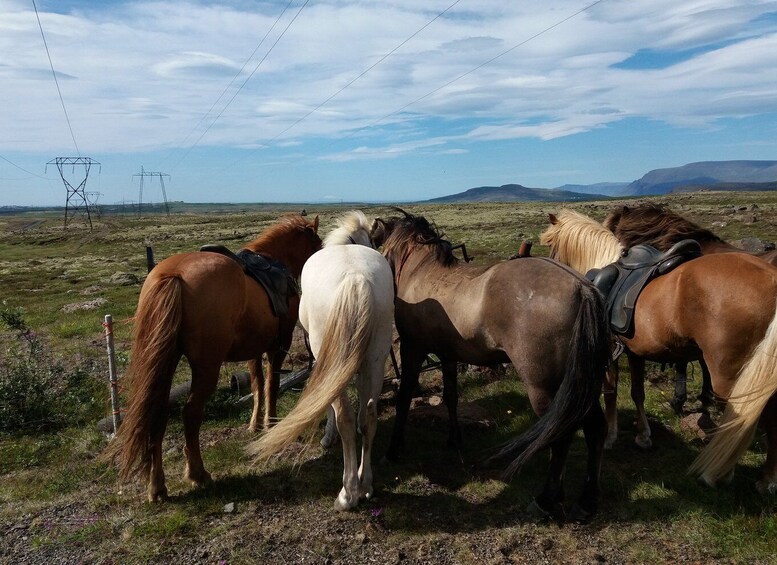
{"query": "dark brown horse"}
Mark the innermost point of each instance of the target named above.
(661, 227)
(536, 313)
(202, 305)
(719, 306)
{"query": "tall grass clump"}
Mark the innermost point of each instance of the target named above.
(37, 391)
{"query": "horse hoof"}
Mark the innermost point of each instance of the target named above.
(343, 503)
(579, 515)
(643, 442)
(540, 514)
(677, 406)
(766, 488)
(160, 496)
(609, 443)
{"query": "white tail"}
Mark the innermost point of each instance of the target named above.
(756, 383)
(346, 336)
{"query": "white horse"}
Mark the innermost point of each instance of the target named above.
(347, 308)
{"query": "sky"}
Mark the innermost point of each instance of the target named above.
(375, 100)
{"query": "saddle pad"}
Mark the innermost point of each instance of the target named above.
(271, 274)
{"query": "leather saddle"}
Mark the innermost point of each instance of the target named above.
(622, 282)
(273, 275)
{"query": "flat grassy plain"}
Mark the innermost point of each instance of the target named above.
(58, 504)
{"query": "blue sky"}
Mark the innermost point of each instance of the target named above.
(623, 87)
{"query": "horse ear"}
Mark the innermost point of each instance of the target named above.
(552, 219)
(315, 224)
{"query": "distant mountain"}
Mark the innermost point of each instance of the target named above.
(714, 175)
(606, 188)
(515, 193)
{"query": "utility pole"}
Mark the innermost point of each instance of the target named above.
(143, 174)
(75, 200)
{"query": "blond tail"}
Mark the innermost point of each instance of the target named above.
(756, 383)
(345, 339)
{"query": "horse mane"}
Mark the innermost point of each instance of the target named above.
(580, 242)
(284, 226)
(348, 225)
(414, 231)
(654, 224)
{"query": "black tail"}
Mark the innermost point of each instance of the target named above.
(580, 389)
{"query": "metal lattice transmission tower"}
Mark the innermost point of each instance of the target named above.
(76, 201)
(143, 174)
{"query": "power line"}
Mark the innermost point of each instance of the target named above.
(21, 169)
(234, 78)
(469, 72)
(244, 82)
(360, 75)
(480, 66)
(53, 72)
(365, 71)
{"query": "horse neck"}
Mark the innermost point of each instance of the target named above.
(419, 263)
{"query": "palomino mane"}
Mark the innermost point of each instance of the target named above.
(580, 242)
(285, 226)
(654, 225)
(416, 231)
(352, 227)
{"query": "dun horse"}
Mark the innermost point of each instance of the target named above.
(721, 306)
(347, 308)
(203, 305)
(660, 227)
(545, 319)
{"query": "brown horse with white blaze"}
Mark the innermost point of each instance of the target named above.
(545, 319)
(203, 306)
(721, 306)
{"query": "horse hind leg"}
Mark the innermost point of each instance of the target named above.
(157, 490)
(549, 504)
(346, 426)
(594, 428)
(204, 381)
(637, 369)
(257, 389)
(450, 395)
(610, 390)
(680, 388)
(370, 383)
(767, 485)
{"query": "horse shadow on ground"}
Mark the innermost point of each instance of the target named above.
(435, 488)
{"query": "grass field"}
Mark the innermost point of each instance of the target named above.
(58, 504)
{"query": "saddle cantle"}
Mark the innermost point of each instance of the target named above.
(622, 282)
(273, 275)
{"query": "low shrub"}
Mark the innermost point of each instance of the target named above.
(37, 390)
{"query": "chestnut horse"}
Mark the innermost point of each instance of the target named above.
(347, 308)
(720, 306)
(660, 227)
(202, 305)
(534, 312)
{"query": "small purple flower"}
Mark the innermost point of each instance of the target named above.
(375, 512)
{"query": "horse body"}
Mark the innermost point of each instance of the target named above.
(202, 305)
(347, 308)
(660, 227)
(531, 312)
(719, 306)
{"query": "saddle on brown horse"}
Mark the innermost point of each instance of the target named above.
(273, 275)
(622, 282)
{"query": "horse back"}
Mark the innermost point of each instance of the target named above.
(224, 311)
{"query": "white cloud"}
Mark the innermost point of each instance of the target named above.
(141, 75)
